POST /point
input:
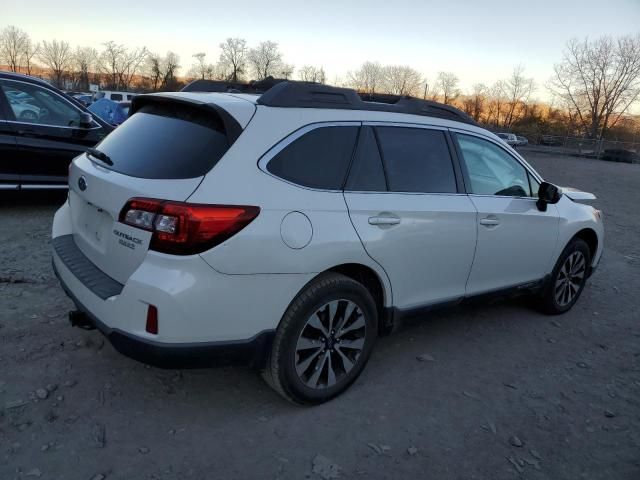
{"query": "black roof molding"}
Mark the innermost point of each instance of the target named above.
(290, 94)
(293, 94)
(221, 86)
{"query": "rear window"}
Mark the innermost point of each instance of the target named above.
(116, 96)
(166, 141)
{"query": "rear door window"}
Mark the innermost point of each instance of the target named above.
(167, 141)
(416, 160)
(318, 159)
(116, 97)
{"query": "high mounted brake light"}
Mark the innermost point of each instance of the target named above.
(186, 228)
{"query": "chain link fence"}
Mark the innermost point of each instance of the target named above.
(615, 151)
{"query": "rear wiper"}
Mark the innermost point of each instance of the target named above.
(103, 157)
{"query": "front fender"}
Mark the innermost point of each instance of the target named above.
(575, 217)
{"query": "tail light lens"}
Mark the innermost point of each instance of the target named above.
(186, 228)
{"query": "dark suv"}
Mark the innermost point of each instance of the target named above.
(41, 130)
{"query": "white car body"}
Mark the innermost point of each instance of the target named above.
(439, 250)
(508, 138)
(116, 96)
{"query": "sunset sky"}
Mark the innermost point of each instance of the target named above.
(480, 41)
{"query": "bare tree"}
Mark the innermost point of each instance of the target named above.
(368, 78)
(201, 69)
(309, 73)
(12, 46)
(84, 61)
(474, 104)
(401, 80)
(518, 90)
(600, 79)
(109, 62)
(285, 70)
(154, 70)
(121, 65)
(265, 60)
(233, 58)
(161, 72)
(171, 66)
(495, 104)
(56, 55)
(131, 65)
(30, 50)
(446, 88)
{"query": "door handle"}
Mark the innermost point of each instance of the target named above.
(384, 220)
(489, 221)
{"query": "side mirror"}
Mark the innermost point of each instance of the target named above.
(86, 120)
(547, 193)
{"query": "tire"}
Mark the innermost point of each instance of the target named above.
(561, 292)
(307, 366)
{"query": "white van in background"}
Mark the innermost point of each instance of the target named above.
(114, 95)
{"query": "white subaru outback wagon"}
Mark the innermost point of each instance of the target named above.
(289, 230)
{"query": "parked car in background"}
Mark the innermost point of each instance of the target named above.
(509, 138)
(85, 98)
(550, 140)
(620, 155)
(114, 95)
(522, 141)
(305, 231)
(41, 130)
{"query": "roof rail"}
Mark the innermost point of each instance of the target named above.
(314, 95)
(254, 86)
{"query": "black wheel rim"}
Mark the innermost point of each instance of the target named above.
(330, 344)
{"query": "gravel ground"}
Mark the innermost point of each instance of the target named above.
(502, 391)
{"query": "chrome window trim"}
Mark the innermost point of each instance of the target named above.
(289, 139)
(43, 186)
(424, 126)
(56, 126)
(75, 107)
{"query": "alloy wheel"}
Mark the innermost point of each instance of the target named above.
(570, 278)
(330, 344)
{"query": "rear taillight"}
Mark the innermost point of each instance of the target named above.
(186, 228)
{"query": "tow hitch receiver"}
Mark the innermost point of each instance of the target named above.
(81, 320)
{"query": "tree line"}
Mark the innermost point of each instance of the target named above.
(593, 87)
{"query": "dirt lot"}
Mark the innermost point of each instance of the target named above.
(505, 392)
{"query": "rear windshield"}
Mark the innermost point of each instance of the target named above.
(166, 141)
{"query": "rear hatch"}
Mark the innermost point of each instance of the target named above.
(162, 151)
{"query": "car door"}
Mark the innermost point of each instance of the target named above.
(48, 132)
(406, 203)
(515, 239)
(9, 176)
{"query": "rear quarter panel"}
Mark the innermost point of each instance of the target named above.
(259, 248)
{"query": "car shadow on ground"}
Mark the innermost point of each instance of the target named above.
(232, 391)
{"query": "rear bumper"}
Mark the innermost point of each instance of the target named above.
(251, 352)
(205, 317)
